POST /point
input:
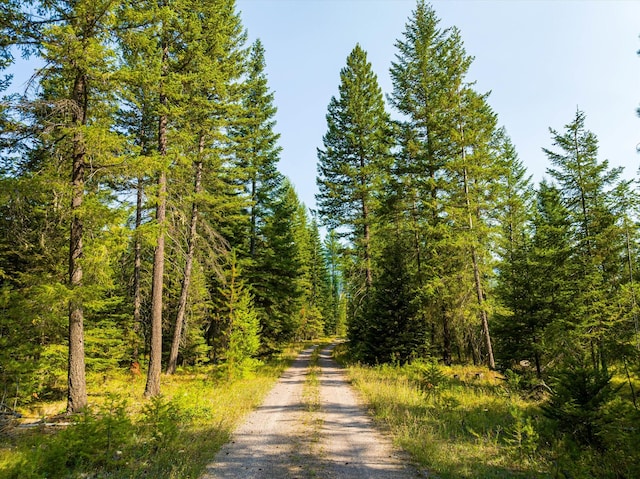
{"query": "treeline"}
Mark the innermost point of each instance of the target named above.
(143, 216)
(455, 254)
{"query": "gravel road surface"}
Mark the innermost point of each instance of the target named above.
(312, 432)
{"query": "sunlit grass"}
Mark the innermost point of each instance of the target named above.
(124, 435)
(458, 422)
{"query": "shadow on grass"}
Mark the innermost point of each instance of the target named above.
(90, 448)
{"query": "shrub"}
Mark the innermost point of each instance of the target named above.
(578, 394)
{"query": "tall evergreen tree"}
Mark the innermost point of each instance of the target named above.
(473, 174)
(443, 170)
(278, 271)
(514, 215)
(355, 157)
(73, 39)
(210, 105)
(257, 149)
(585, 183)
(421, 93)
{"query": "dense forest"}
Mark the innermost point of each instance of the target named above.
(145, 223)
(144, 219)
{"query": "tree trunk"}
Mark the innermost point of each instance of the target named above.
(77, 384)
(186, 279)
(476, 276)
(367, 247)
(365, 229)
(155, 354)
(137, 266)
(252, 239)
(474, 259)
(483, 314)
(634, 304)
(446, 338)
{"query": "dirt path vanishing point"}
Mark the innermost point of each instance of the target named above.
(318, 430)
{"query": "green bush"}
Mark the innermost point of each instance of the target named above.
(94, 441)
(579, 394)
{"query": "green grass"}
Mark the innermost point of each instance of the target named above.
(469, 422)
(456, 422)
(122, 435)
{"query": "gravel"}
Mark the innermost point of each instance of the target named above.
(286, 438)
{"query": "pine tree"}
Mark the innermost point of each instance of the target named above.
(355, 157)
(210, 103)
(319, 294)
(74, 42)
(395, 331)
(257, 150)
(514, 245)
(332, 314)
(278, 273)
(240, 322)
(472, 174)
(444, 177)
(551, 289)
(422, 94)
(627, 204)
(585, 184)
(183, 83)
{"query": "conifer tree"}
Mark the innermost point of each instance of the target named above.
(442, 171)
(422, 94)
(472, 180)
(395, 331)
(257, 149)
(514, 243)
(585, 183)
(332, 316)
(551, 289)
(73, 39)
(278, 271)
(319, 294)
(240, 322)
(355, 156)
(210, 103)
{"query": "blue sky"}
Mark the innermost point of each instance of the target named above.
(540, 59)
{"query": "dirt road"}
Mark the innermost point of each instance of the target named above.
(317, 431)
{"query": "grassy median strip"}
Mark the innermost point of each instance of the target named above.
(311, 394)
(312, 421)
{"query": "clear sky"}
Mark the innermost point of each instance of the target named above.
(540, 59)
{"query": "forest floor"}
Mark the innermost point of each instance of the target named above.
(311, 425)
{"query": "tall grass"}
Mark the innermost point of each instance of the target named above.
(121, 435)
(457, 422)
(469, 422)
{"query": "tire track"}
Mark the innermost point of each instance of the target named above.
(285, 438)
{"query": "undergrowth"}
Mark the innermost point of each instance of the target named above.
(122, 435)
